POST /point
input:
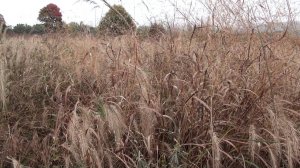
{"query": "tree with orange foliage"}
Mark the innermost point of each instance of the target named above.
(51, 16)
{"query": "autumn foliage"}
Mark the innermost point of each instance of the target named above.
(51, 16)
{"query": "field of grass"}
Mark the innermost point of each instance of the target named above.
(197, 99)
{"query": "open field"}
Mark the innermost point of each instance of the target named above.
(187, 100)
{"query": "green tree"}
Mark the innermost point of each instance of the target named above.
(51, 16)
(117, 21)
(22, 29)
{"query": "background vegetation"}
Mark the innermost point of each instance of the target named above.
(116, 22)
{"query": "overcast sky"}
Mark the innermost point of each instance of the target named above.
(26, 11)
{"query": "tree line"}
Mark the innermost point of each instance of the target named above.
(117, 21)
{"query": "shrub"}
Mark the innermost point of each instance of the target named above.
(73, 28)
(117, 21)
(143, 31)
(38, 29)
(157, 30)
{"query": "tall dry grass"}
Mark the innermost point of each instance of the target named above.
(217, 100)
(201, 97)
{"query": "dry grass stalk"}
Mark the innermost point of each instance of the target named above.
(216, 151)
(3, 85)
(253, 144)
